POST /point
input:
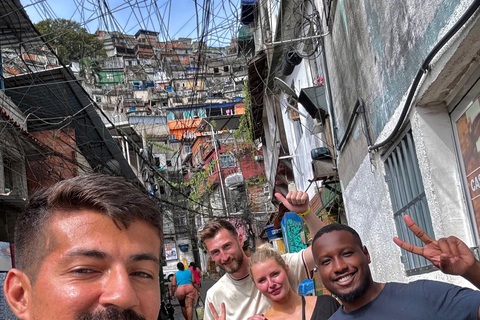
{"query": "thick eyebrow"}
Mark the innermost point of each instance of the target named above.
(145, 257)
(97, 254)
(89, 253)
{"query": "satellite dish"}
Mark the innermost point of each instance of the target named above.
(285, 88)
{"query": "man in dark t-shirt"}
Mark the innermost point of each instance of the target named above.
(343, 263)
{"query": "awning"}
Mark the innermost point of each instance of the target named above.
(248, 11)
(16, 29)
(53, 99)
(219, 123)
(314, 101)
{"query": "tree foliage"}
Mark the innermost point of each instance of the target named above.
(71, 40)
(90, 70)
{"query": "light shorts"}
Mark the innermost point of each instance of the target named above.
(186, 290)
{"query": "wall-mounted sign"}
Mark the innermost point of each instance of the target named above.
(170, 251)
(468, 129)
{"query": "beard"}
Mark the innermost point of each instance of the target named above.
(355, 294)
(111, 314)
(235, 265)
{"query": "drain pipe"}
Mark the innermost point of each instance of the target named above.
(423, 70)
(358, 109)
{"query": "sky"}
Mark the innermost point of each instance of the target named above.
(171, 18)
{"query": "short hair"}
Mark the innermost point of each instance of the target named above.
(337, 227)
(111, 196)
(193, 265)
(214, 226)
(180, 266)
(264, 253)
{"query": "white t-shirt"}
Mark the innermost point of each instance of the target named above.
(242, 298)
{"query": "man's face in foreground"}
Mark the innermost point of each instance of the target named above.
(93, 271)
(343, 264)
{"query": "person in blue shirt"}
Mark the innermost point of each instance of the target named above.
(343, 264)
(186, 290)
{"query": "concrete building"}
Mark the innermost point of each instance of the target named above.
(415, 151)
(401, 87)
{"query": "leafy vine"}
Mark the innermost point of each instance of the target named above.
(245, 126)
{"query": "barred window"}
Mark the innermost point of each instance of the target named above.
(408, 197)
(227, 160)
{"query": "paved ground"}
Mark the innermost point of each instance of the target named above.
(206, 284)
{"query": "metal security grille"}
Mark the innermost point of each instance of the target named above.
(408, 197)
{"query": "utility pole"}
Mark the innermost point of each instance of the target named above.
(239, 166)
(222, 190)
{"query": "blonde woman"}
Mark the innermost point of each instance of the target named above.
(270, 275)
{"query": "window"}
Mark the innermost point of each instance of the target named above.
(227, 160)
(408, 197)
(188, 114)
(187, 149)
(180, 220)
(225, 69)
(215, 70)
(8, 172)
(211, 167)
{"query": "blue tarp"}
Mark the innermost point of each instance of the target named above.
(248, 9)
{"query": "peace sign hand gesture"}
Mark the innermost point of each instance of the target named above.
(222, 315)
(450, 255)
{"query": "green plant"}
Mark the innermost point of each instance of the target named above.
(161, 146)
(198, 182)
(256, 180)
(245, 126)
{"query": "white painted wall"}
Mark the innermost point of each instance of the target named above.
(369, 210)
(300, 137)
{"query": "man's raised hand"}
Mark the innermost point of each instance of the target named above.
(222, 315)
(450, 255)
(296, 201)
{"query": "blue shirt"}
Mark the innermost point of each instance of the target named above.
(424, 299)
(183, 277)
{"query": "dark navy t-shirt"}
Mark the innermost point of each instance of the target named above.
(422, 299)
